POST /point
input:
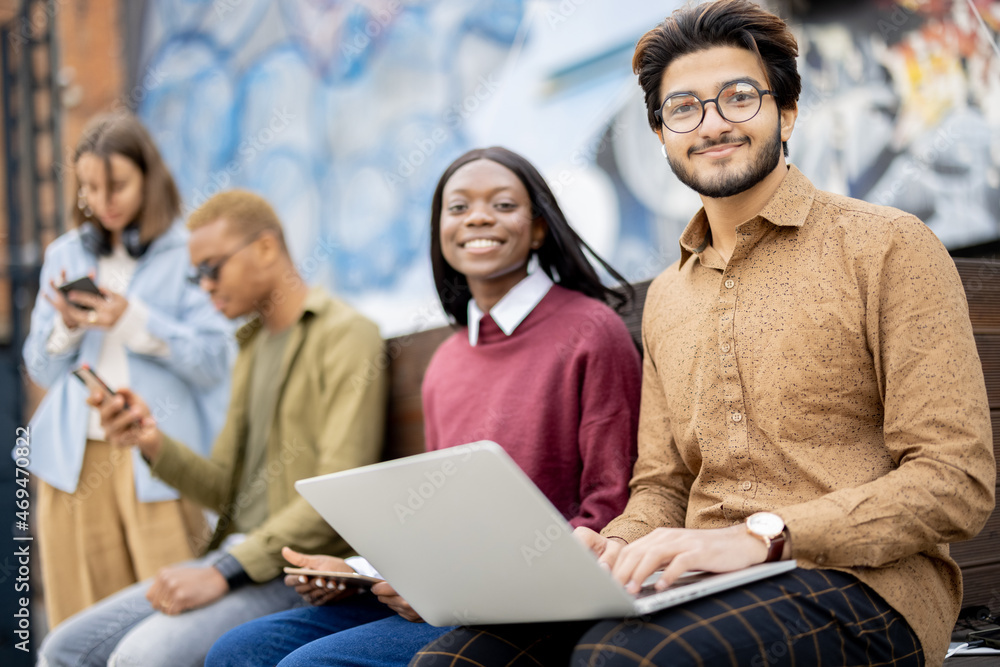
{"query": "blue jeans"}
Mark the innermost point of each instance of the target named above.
(123, 629)
(360, 632)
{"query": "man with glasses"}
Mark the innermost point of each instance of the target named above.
(307, 399)
(811, 390)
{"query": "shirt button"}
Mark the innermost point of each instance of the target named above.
(747, 486)
(725, 347)
(820, 559)
(730, 283)
(737, 417)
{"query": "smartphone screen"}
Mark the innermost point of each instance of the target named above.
(85, 284)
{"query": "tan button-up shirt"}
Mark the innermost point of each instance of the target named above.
(827, 373)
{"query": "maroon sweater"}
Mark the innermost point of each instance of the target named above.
(560, 395)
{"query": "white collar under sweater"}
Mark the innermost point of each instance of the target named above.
(515, 305)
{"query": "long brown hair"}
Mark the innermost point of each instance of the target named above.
(120, 133)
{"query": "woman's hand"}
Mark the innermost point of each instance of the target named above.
(388, 596)
(106, 311)
(72, 316)
(605, 548)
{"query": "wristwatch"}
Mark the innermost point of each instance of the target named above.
(770, 529)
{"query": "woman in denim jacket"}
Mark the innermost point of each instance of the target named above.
(103, 521)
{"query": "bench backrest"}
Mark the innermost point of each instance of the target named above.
(979, 558)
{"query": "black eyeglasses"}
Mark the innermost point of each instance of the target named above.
(211, 271)
(738, 102)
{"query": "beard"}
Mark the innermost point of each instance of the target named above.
(729, 184)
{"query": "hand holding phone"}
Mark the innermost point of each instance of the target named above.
(94, 383)
(347, 578)
(85, 284)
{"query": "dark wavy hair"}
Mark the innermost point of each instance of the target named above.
(736, 23)
(561, 255)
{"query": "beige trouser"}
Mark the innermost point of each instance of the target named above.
(100, 539)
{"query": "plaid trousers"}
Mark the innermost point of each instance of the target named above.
(805, 617)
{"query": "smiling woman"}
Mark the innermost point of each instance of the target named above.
(538, 363)
(560, 251)
(488, 230)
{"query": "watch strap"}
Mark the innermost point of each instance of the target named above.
(775, 546)
(233, 571)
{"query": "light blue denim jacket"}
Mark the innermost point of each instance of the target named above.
(187, 390)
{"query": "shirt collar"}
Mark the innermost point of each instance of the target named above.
(515, 305)
(315, 303)
(787, 207)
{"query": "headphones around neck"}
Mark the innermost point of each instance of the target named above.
(98, 242)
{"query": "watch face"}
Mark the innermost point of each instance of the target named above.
(765, 524)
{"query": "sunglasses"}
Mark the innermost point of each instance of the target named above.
(210, 271)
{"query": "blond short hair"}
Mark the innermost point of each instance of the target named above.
(246, 213)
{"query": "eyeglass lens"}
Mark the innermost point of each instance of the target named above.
(737, 103)
(205, 270)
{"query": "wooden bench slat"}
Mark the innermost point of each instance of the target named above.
(409, 357)
(981, 279)
(989, 353)
(982, 549)
(982, 586)
(995, 420)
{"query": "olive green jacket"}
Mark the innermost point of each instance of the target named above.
(330, 415)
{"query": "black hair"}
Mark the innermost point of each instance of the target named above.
(562, 254)
(737, 23)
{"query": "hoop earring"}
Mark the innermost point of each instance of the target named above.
(663, 149)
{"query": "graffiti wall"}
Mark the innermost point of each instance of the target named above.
(901, 106)
(343, 113)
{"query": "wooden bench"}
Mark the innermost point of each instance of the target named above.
(979, 557)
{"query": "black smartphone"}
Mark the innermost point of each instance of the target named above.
(93, 382)
(990, 638)
(85, 284)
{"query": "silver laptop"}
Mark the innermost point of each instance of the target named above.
(467, 538)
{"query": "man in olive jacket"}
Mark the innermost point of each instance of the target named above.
(307, 399)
